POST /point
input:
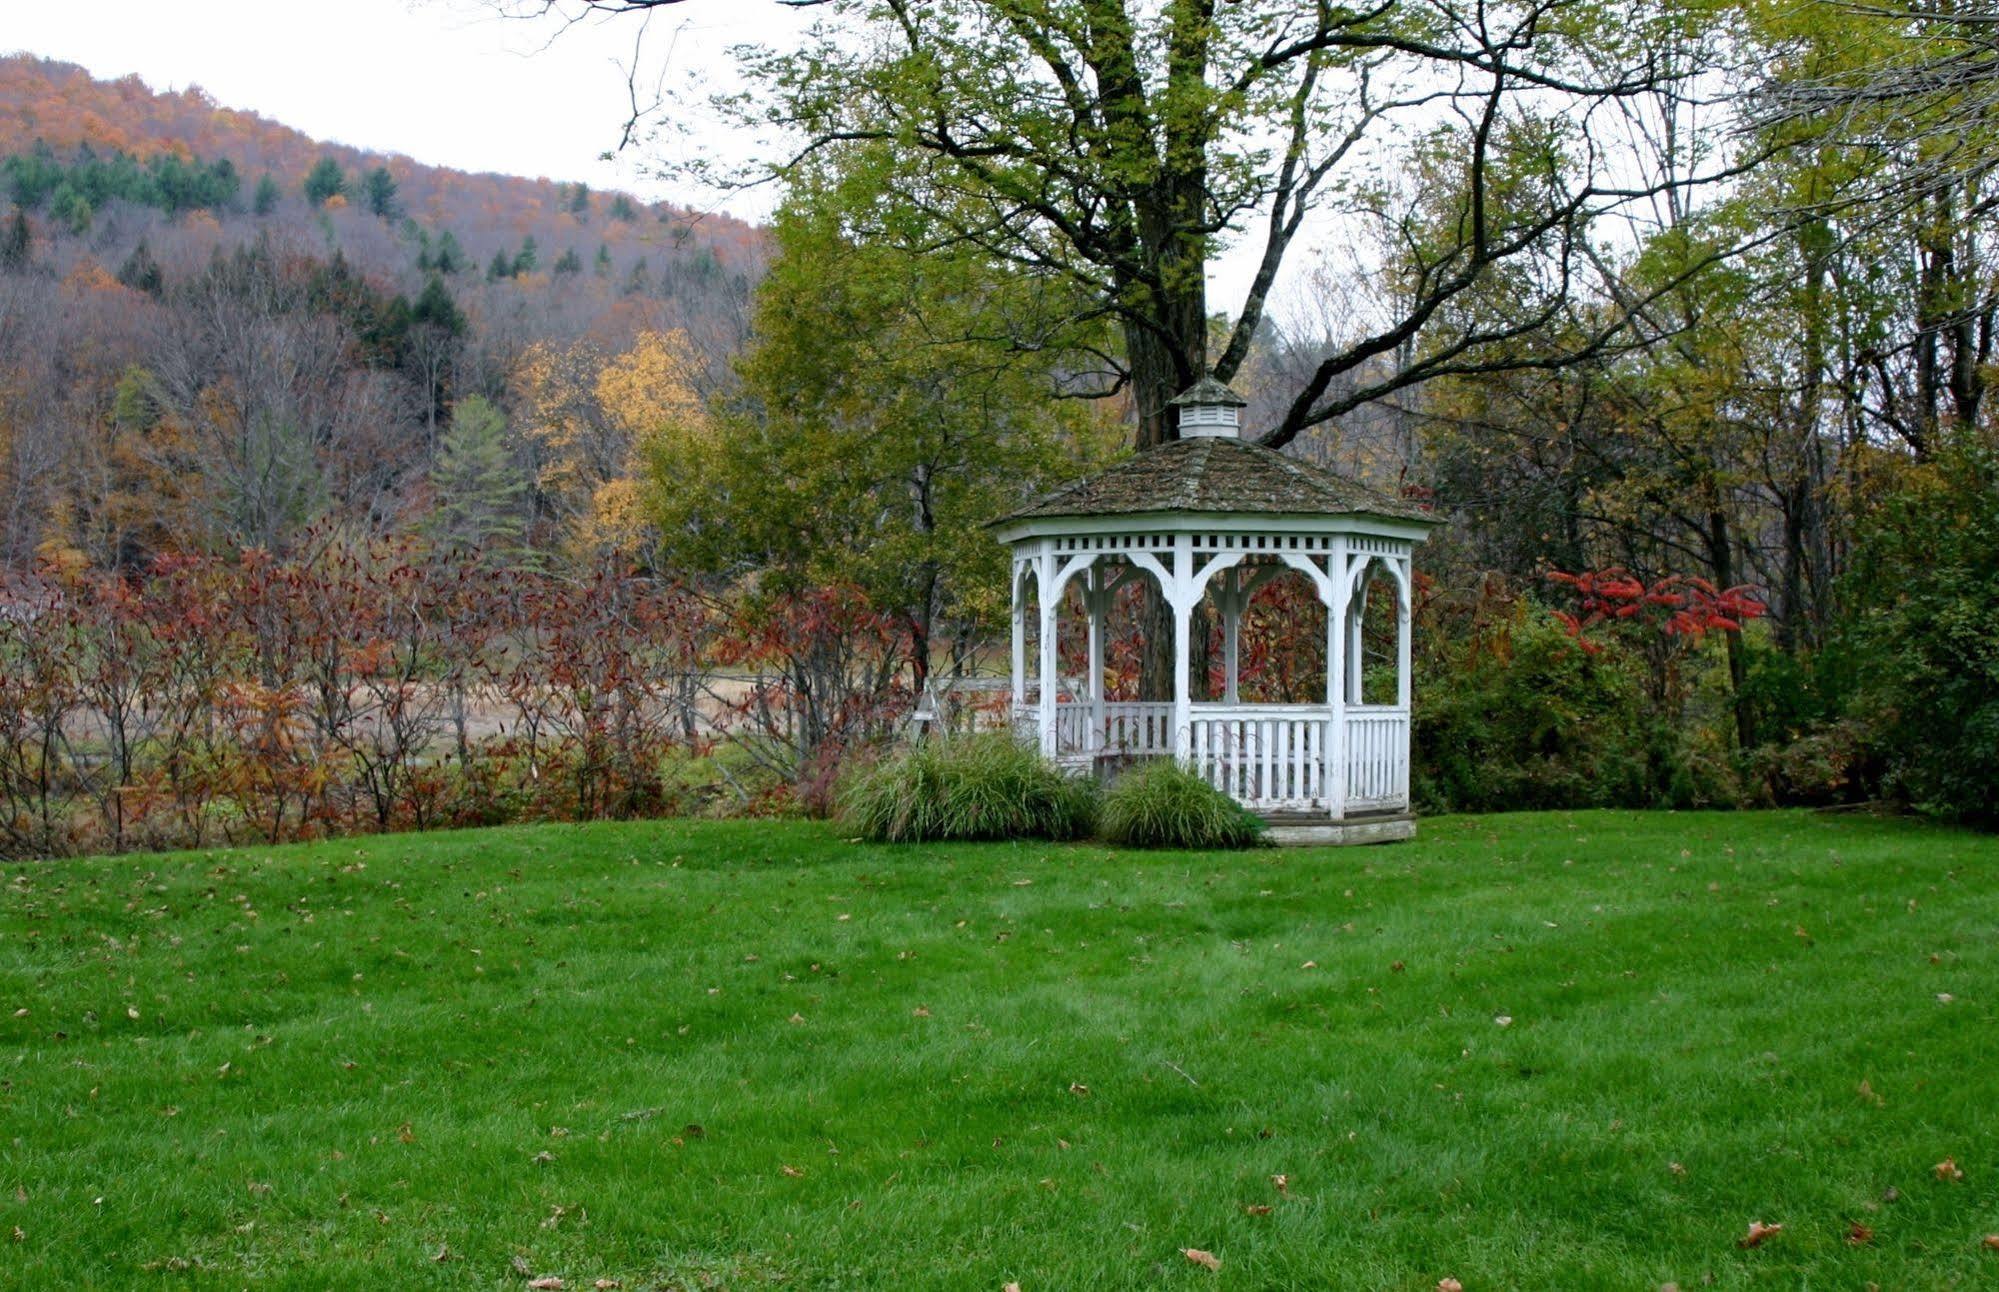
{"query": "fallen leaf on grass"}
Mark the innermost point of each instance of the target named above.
(605, 1285)
(1206, 1260)
(1859, 1235)
(443, 1255)
(20, 1237)
(1758, 1232)
(549, 1284)
(1011, 1287)
(1991, 1243)
(1948, 1169)
(1503, 1020)
(793, 1172)
(921, 1011)
(1283, 1183)
(796, 1018)
(1079, 1090)
(1676, 1168)
(1448, 1284)
(1256, 1208)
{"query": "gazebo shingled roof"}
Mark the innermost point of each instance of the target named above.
(1217, 475)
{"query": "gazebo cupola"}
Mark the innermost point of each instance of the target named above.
(1213, 516)
(1207, 409)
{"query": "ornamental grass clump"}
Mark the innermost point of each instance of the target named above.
(1160, 804)
(977, 787)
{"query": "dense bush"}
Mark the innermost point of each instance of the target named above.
(250, 698)
(1160, 804)
(1522, 717)
(1921, 635)
(968, 787)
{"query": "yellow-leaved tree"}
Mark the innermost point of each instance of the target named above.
(594, 423)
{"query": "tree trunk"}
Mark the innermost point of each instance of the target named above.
(1721, 557)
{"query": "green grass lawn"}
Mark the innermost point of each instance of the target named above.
(748, 1054)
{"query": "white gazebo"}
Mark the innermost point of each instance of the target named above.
(1211, 514)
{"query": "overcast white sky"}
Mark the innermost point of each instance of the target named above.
(442, 81)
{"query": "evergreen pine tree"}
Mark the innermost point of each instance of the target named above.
(71, 208)
(479, 486)
(499, 267)
(528, 258)
(16, 242)
(622, 208)
(450, 256)
(325, 180)
(603, 266)
(266, 199)
(142, 273)
(435, 306)
(579, 199)
(569, 262)
(380, 189)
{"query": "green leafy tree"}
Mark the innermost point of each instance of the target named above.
(480, 486)
(324, 182)
(1922, 638)
(867, 451)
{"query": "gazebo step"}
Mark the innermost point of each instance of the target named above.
(1312, 830)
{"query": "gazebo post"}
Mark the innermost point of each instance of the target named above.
(1097, 598)
(1356, 653)
(1019, 639)
(1404, 672)
(1336, 678)
(1181, 596)
(1050, 683)
(1232, 600)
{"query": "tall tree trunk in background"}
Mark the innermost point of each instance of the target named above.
(1721, 559)
(1798, 496)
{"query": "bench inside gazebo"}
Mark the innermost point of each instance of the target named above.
(1211, 516)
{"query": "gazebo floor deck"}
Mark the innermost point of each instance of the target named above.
(1314, 830)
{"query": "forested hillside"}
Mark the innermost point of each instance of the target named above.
(216, 330)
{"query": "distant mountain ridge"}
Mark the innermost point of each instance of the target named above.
(62, 106)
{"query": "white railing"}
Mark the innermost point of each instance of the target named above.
(1138, 727)
(1267, 757)
(1377, 758)
(1135, 728)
